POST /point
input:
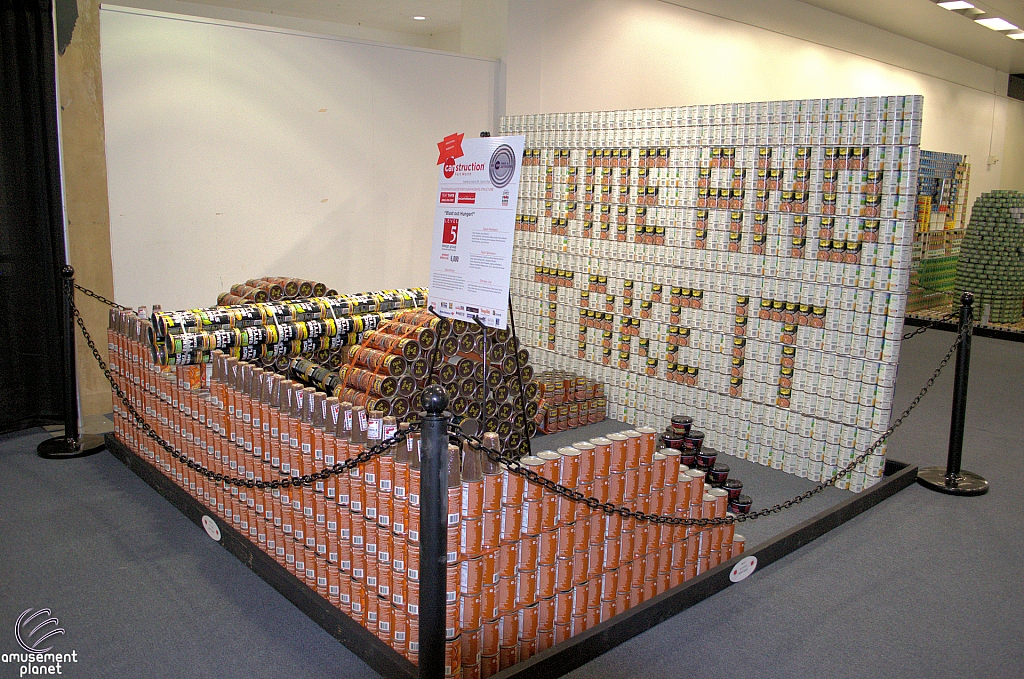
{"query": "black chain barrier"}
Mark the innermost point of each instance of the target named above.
(514, 466)
(511, 463)
(304, 480)
(95, 295)
(931, 324)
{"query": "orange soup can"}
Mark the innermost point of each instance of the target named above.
(491, 530)
(471, 580)
(529, 548)
(619, 453)
(548, 547)
(546, 581)
(508, 559)
(587, 461)
(602, 456)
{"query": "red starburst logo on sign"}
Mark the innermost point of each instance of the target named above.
(449, 149)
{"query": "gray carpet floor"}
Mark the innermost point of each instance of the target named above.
(923, 585)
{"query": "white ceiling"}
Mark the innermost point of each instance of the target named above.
(919, 20)
(926, 22)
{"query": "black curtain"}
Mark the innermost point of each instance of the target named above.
(31, 220)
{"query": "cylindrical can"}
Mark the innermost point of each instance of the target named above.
(529, 552)
(602, 456)
(511, 523)
(619, 453)
(471, 534)
(471, 580)
(526, 591)
(532, 515)
(563, 607)
(508, 559)
(587, 461)
(633, 454)
(546, 585)
(491, 530)
(563, 574)
(513, 488)
(470, 610)
(548, 547)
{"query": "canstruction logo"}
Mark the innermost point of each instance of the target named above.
(34, 631)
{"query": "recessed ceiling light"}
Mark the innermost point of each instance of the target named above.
(419, 18)
(996, 24)
(1016, 36)
(955, 5)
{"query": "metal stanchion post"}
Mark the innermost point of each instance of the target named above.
(72, 443)
(952, 480)
(433, 531)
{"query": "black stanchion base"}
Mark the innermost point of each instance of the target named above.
(64, 448)
(965, 483)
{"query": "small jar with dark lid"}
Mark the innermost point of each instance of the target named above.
(694, 441)
(706, 458)
(681, 424)
(672, 440)
(718, 474)
(741, 505)
(734, 487)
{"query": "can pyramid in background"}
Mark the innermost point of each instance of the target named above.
(991, 264)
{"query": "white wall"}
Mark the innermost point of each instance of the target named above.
(235, 152)
(578, 55)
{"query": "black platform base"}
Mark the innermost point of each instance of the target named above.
(965, 483)
(63, 448)
(557, 660)
(363, 643)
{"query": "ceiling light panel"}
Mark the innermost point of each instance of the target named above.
(996, 24)
(955, 5)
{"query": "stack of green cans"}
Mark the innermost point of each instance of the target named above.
(992, 257)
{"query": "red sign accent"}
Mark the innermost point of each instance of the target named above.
(467, 197)
(447, 196)
(449, 149)
(450, 235)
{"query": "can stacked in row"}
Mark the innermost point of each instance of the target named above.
(536, 568)
(272, 333)
(527, 568)
(568, 401)
(485, 373)
(353, 538)
(273, 289)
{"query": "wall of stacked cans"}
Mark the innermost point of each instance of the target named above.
(747, 263)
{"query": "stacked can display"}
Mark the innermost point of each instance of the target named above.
(746, 261)
(270, 334)
(273, 289)
(393, 363)
(992, 257)
(526, 568)
(940, 223)
(568, 401)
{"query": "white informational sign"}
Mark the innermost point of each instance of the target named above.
(474, 227)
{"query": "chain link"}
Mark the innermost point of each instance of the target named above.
(931, 324)
(515, 467)
(305, 480)
(511, 463)
(95, 295)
